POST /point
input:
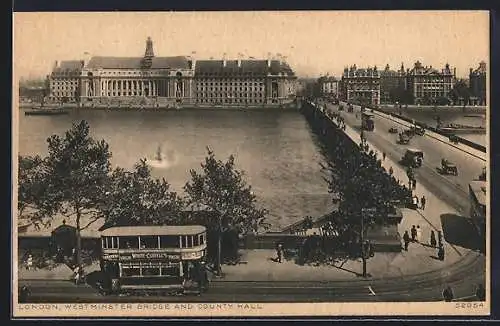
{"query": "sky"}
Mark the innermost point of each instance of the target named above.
(313, 42)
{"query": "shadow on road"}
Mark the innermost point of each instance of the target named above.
(458, 230)
(96, 278)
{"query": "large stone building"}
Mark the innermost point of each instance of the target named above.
(163, 81)
(390, 80)
(328, 86)
(64, 81)
(429, 85)
(243, 82)
(477, 83)
(361, 85)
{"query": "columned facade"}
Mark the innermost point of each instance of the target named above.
(152, 81)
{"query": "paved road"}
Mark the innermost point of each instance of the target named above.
(451, 189)
(462, 276)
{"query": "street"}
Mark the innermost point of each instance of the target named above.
(451, 189)
(462, 276)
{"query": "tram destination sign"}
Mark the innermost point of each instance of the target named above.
(143, 255)
(154, 255)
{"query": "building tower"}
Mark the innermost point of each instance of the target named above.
(148, 54)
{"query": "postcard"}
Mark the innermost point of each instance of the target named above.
(252, 164)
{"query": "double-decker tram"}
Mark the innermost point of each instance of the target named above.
(151, 257)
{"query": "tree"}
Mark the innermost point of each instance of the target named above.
(460, 90)
(136, 198)
(77, 177)
(221, 189)
(33, 200)
(401, 95)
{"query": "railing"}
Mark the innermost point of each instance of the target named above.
(433, 129)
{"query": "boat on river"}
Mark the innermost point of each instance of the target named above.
(463, 129)
(43, 110)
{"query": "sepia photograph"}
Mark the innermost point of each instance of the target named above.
(250, 163)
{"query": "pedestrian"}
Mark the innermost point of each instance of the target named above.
(448, 294)
(383, 156)
(77, 274)
(204, 277)
(419, 234)
(413, 232)
(24, 294)
(433, 239)
(441, 253)
(29, 262)
(422, 202)
(480, 292)
(279, 252)
(406, 239)
(391, 171)
(414, 183)
(415, 202)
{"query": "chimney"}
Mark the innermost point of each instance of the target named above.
(56, 64)
(454, 72)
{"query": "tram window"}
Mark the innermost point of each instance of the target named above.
(202, 239)
(169, 241)
(131, 272)
(170, 271)
(190, 241)
(196, 240)
(184, 241)
(150, 242)
(150, 271)
(129, 242)
(113, 243)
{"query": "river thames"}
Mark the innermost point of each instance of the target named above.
(275, 149)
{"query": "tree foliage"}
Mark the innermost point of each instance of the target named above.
(33, 200)
(221, 190)
(460, 90)
(220, 187)
(136, 198)
(78, 169)
(401, 95)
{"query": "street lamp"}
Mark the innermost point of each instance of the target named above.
(365, 245)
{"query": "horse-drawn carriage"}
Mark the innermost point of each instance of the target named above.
(448, 167)
(417, 130)
(453, 139)
(413, 158)
(404, 138)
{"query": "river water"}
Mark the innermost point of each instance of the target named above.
(275, 149)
